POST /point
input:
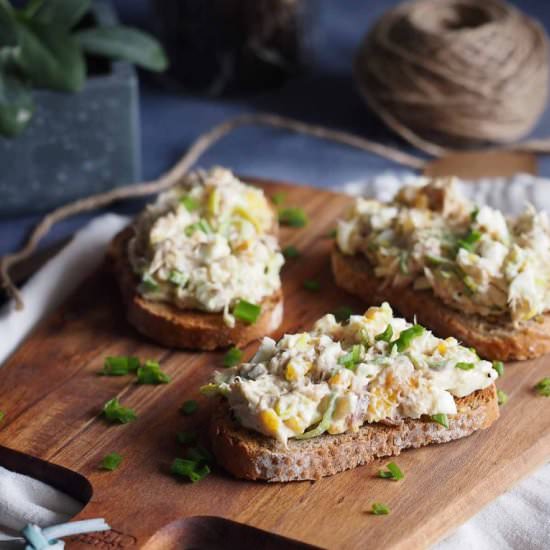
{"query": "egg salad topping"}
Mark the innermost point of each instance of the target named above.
(376, 367)
(207, 244)
(472, 257)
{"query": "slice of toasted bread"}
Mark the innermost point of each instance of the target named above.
(250, 455)
(179, 328)
(492, 339)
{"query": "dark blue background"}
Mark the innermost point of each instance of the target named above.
(170, 122)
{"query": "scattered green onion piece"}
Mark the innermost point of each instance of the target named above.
(187, 438)
(209, 390)
(232, 357)
(204, 226)
(190, 469)
(150, 373)
(293, 216)
(474, 213)
(543, 387)
(470, 284)
(312, 285)
(438, 260)
(393, 472)
(190, 203)
(342, 314)
(324, 424)
(291, 252)
(441, 419)
(111, 462)
(502, 398)
(385, 336)
(350, 359)
(247, 312)
(469, 241)
(407, 336)
(189, 407)
(465, 366)
(379, 509)
(119, 365)
(499, 367)
(177, 278)
(149, 282)
(278, 198)
(115, 413)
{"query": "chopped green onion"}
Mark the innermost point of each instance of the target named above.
(149, 282)
(407, 336)
(177, 277)
(191, 469)
(499, 367)
(474, 213)
(438, 260)
(189, 407)
(324, 424)
(119, 365)
(247, 312)
(111, 462)
(290, 252)
(441, 419)
(332, 233)
(232, 357)
(393, 472)
(202, 225)
(343, 314)
(278, 198)
(502, 398)
(379, 509)
(465, 366)
(469, 241)
(293, 216)
(114, 412)
(385, 336)
(190, 203)
(209, 389)
(187, 438)
(312, 285)
(350, 359)
(150, 373)
(470, 284)
(543, 387)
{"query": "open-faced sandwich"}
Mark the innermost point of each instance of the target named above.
(320, 402)
(463, 269)
(200, 267)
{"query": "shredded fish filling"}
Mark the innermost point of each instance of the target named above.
(340, 376)
(206, 244)
(472, 257)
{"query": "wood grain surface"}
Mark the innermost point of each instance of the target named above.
(52, 396)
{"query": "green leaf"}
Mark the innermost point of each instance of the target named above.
(124, 43)
(51, 58)
(16, 104)
(62, 13)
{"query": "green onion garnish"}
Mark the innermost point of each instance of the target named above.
(407, 336)
(502, 398)
(312, 285)
(343, 313)
(499, 367)
(441, 419)
(187, 438)
(469, 241)
(177, 277)
(278, 198)
(115, 413)
(293, 216)
(474, 213)
(190, 203)
(543, 387)
(324, 425)
(119, 365)
(379, 509)
(191, 469)
(150, 373)
(290, 252)
(350, 359)
(393, 472)
(202, 225)
(232, 357)
(470, 284)
(465, 366)
(385, 336)
(247, 312)
(189, 407)
(111, 462)
(149, 282)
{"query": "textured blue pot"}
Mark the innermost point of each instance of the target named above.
(76, 144)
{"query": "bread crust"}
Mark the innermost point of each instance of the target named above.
(178, 328)
(494, 340)
(250, 455)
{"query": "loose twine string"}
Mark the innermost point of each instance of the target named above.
(461, 70)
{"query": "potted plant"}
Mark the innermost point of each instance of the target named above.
(68, 101)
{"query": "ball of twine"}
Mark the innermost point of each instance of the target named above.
(455, 72)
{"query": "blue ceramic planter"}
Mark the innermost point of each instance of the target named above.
(76, 144)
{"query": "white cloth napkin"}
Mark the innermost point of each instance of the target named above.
(518, 519)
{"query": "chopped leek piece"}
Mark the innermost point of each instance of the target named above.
(115, 413)
(247, 312)
(465, 366)
(499, 367)
(177, 277)
(278, 198)
(379, 509)
(291, 252)
(543, 387)
(324, 424)
(149, 282)
(407, 336)
(342, 314)
(111, 462)
(189, 202)
(502, 398)
(232, 357)
(385, 336)
(191, 469)
(470, 240)
(293, 216)
(441, 419)
(350, 359)
(119, 365)
(393, 472)
(150, 373)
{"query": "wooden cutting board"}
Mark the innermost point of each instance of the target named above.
(52, 396)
